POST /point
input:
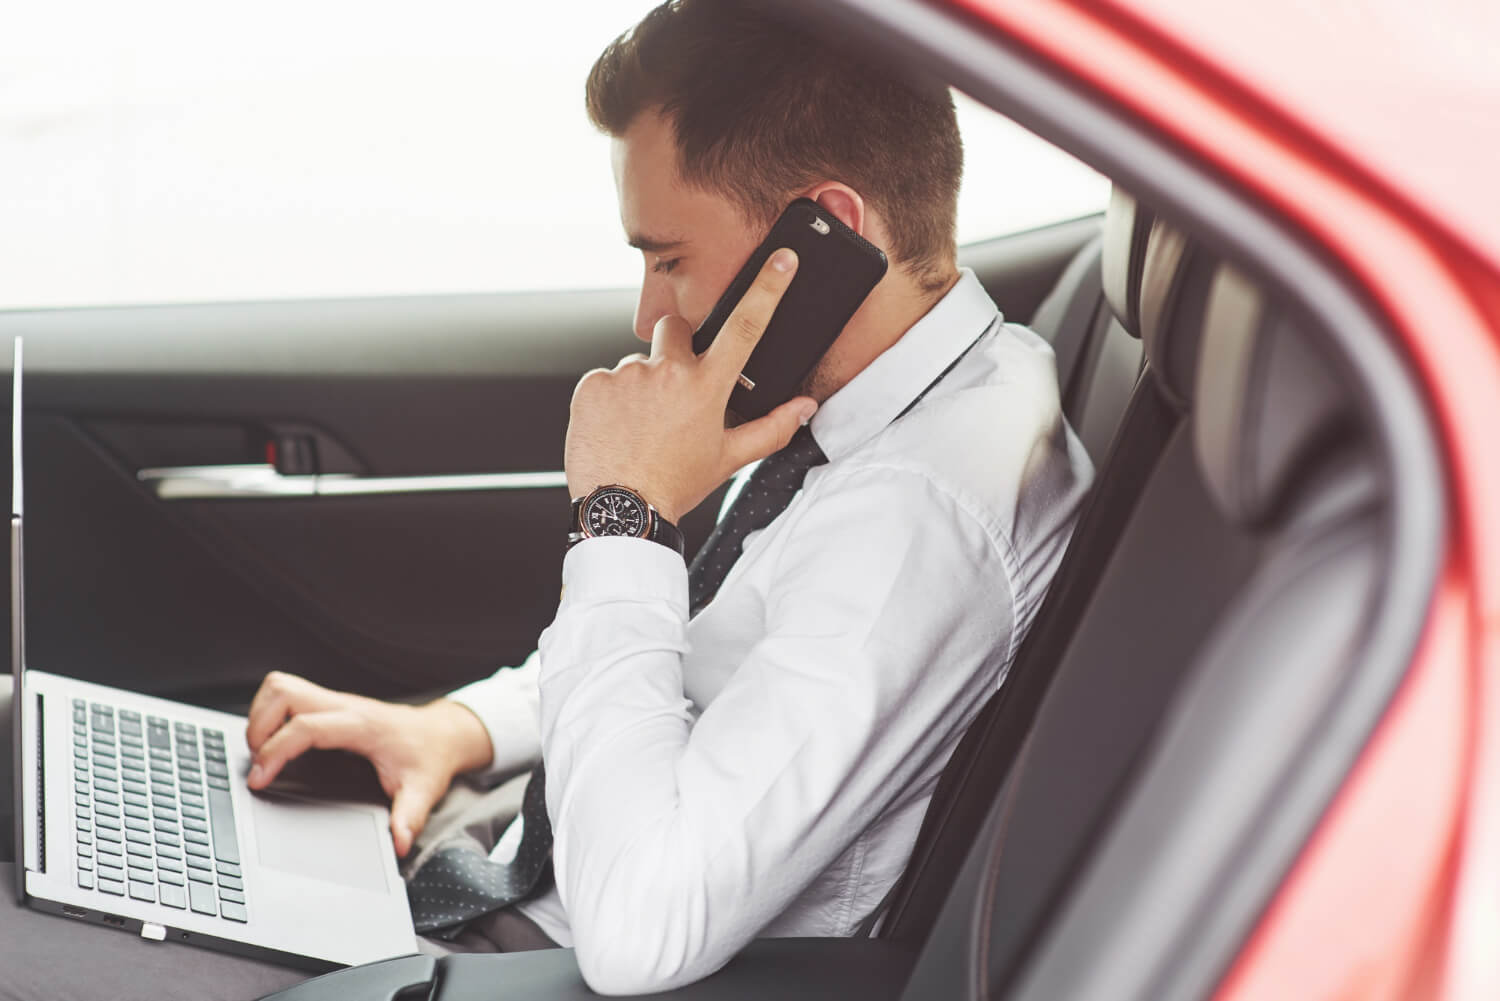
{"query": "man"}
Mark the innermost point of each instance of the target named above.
(755, 757)
(762, 767)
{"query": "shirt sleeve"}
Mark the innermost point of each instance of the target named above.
(677, 842)
(507, 704)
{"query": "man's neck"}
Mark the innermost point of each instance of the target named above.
(891, 310)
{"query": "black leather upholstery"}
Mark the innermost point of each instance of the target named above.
(1175, 282)
(984, 757)
(1255, 543)
(1126, 226)
(1098, 352)
(1269, 403)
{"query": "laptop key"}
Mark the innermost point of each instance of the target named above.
(158, 736)
(143, 891)
(230, 882)
(195, 825)
(111, 886)
(81, 798)
(168, 864)
(138, 812)
(134, 850)
(229, 869)
(137, 838)
(170, 878)
(233, 896)
(138, 875)
(86, 862)
(195, 850)
(107, 809)
(193, 813)
(165, 826)
(173, 896)
(131, 799)
(201, 864)
(85, 880)
(107, 845)
(199, 876)
(202, 897)
(167, 851)
(86, 837)
(195, 837)
(218, 783)
(136, 824)
(235, 912)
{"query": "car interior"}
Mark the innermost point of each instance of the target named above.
(1136, 782)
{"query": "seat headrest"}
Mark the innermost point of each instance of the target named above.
(1126, 227)
(1175, 279)
(1267, 401)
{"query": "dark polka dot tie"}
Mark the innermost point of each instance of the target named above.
(765, 495)
(458, 883)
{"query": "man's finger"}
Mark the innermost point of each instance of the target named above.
(759, 438)
(409, 811)
(731, 348)
(281, 695)
(672, 337)
(335, 729)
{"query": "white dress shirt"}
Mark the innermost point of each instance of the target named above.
(762, 768)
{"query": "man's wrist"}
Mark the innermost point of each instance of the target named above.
(461, 733)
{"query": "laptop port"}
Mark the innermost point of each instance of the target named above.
(111, 919)
(74, 912)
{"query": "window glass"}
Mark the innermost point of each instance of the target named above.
(176, 151)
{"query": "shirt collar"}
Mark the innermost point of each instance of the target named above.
(874, 397)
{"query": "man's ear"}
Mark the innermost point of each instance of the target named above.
(843, 202)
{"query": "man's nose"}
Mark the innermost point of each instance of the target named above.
(652, 305)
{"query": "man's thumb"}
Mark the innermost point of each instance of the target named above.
(771, 433)
(409, 811)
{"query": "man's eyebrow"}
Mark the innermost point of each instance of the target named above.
(653, 245)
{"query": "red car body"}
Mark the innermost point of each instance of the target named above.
(1373, 128)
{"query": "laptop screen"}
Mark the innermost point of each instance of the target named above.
(17, 624)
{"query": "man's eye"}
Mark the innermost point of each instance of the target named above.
(665, 266)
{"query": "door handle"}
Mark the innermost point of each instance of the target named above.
(263, 481)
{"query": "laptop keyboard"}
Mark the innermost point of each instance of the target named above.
(153, 813)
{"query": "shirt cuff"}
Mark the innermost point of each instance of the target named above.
(508, 704)
(601, 570)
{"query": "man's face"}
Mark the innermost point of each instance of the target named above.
(692, 243)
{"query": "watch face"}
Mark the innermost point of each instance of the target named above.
(614, 511)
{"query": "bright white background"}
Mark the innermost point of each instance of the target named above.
(177, 150)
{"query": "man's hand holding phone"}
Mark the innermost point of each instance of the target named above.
(656, 424)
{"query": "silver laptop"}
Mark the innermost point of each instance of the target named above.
(133, 812)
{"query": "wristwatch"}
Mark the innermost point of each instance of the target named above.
(616, 511)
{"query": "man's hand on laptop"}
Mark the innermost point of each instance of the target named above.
(656, 425)
(416, 750)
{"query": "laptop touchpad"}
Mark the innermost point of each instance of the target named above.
(319, 841)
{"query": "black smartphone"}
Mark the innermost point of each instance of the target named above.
(836, 269)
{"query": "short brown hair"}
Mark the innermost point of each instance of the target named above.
(761, 109)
